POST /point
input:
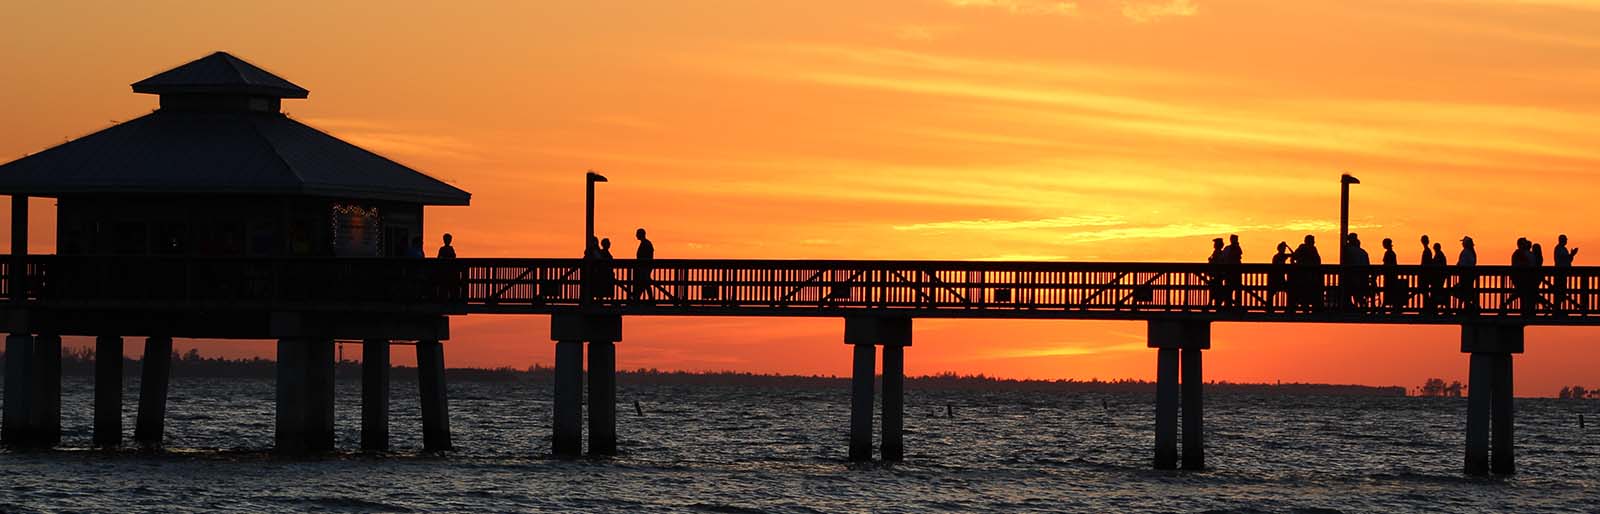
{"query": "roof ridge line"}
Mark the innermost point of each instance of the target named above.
(255, 124)
(233, 62)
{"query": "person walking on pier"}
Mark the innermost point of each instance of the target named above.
(1558, 285)
(1278, 279)
(1427, 279)
(1307, 279)
(1394, 287)
(1437, 295)
(1467, 286)
(1355, 277)
(641, 271)
(1217, 284)
(1232, 257)
(1524, 281)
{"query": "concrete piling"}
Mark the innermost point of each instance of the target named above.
(894, 447)
(157, 371)
(567, 441)
(375, 395)
(16, 427)
(435, 409)
(1194, 435)
(319, 400)
(1491, 409)
(108, 391)
(602, 398)
(1166, 408)
(861, 385)
(290, 434)
(46, 424)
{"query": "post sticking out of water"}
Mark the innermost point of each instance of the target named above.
(638, 408)
(435, 410)
(46, 391)
(375, 395)
(1490, 408)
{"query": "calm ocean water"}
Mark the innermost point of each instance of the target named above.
(727, 449)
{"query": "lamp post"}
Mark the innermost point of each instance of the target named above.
(1344, 211)
(588, 208)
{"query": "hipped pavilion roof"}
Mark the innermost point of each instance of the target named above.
(220, 148)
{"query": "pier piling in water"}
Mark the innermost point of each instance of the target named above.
(866, 333)
(567, 441)
(602, 398)
(375, 394)
(1179, 347)
(435, 408)
(46, 424)
(319, 389)
(156, 373)
(16, 427)
(1490, 405)
(861, 378)
(289, 435)
(108, 391)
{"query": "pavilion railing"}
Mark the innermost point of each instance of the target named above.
(784, 287)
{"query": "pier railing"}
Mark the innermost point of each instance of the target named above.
(820, 288)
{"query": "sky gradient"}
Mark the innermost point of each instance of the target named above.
(937, 129)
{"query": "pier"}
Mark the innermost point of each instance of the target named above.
(218, 217)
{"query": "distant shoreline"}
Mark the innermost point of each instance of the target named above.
(192, 365)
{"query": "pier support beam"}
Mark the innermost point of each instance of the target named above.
(108, 391)
(305, 396)
(16, 427)
(157, 371)
(435, 409)
(1490, 407)
(375, 395)
(894, 334)
(602, 332)
(46, 405)
(1180, 342)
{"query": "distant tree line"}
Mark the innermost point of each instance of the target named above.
(1579, 393)
(1436, 387)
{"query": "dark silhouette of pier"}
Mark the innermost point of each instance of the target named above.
(216, 216)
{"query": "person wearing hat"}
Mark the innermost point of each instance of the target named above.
(1216, 281)
(1467, 288)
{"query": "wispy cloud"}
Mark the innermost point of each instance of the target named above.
(1145, 12)
(383, 138)
(994, 224)
(1045, 7)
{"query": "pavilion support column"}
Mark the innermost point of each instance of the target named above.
(293, 359)
(16, 428)
(46, 403)
(375, 395)
(157, 371)
(18, 276)
(602, 398)
(108, 391)
(319, 390)
(569, 331)
(1490, 407)
(435, 409)
(1177, 341)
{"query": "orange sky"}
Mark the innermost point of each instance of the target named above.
(1128, 130)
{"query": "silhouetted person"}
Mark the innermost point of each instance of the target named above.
(1523, 279)
(450, 276)
(1394, 287)
(1278, 279)
(1558, 285)
(1307, 278)
(1217, 260)
(1232, 257)
(1428, 279)
(1466, 264)
(1439, 263)
(641, 272)
(606, 280)
(1355, 274)
(447, 251)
